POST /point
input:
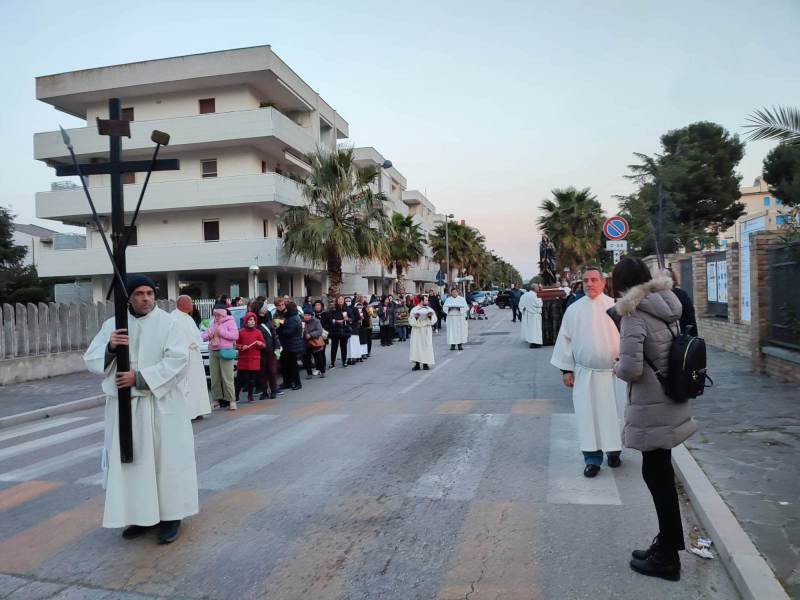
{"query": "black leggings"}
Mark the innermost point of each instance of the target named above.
(290, 368)
(660, 479)
(315, 359)
(387, 334)
(336, 343)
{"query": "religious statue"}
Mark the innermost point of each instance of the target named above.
(547, 261)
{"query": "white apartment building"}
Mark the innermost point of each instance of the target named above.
(240, 122)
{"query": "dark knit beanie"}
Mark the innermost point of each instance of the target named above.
(138, 280)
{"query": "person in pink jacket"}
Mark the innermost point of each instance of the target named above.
(221, 337)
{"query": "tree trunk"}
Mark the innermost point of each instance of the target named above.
(401, 285)
(334, 277)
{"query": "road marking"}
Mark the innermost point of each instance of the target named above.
(232, 470)
(56, 463)
(496, 554)
(25, 492)
(316, 408)
(26, 551)
(37, 427)
(457, 474)
(565, 481)
(425, 377)
(536, 408)
(213, 437)
(454, 407)
(50, 440)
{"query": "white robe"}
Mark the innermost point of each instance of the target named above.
(456, 310)
(421, 348)
(588, 344)
(161, 482)
(195, 389)
(531, 307)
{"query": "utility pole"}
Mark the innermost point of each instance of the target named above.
(447, 246)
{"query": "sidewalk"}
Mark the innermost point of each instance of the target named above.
(44, 393)
(748, 444)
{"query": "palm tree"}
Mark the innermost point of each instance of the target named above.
(343, 218)
(573, 220)
(466, 246)
(405, 247)
(779, 123)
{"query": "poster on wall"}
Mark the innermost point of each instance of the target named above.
(722, 281)
(711, 282)
(746, 229)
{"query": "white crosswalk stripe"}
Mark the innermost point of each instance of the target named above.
(50, 440)
(56, 463)
(457, 475)
(37, 427)
(565, 482)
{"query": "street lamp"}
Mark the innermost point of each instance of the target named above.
(447, 246)
(386, 164)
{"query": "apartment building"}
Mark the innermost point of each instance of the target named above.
(240, 123)
(761, 212)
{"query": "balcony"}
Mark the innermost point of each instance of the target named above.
(241, 190)
(159, 258)
(265, 128)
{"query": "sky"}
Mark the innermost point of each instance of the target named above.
(484, 106)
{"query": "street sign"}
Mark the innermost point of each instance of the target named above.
(621, 245)
(617, 256)
(616, 228)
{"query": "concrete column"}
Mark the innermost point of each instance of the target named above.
(99, 288)
(252, 284)
(172, 285)
(298, 285)
(760, 244)
(272, 283)
(734, 284)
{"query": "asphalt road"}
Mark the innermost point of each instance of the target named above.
(459, 483)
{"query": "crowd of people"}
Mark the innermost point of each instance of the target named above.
(272, 343)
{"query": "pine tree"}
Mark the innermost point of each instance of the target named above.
(18, 283)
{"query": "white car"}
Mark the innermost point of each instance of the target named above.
(238, 313)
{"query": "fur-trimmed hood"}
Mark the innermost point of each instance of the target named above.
(654, 297)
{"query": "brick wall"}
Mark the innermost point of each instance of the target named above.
(780, 369)
(722, 333)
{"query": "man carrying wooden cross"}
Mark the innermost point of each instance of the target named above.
(160, 486)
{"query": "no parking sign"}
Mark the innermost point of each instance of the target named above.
(616, 228)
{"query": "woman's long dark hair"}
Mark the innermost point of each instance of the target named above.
(629, 272)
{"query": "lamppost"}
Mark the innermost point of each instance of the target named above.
(386, 164)
(447, 246)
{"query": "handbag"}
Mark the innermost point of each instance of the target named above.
(315, 343)
(227, 353)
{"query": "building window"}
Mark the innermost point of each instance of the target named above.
(778, 202)
(128, 178)
(133, 235)
(208, 168)
(766, 200)
(279, 231)
(207, 105)
(266, 227)
(782, 220)
(127, 114)
(211, 231)
(263, 166)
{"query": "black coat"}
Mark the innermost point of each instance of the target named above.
(335, 327)
(291, 333)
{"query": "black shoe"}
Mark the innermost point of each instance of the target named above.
(614, 461)
(332, 366)
(168, 531)
(660, 563)
(452, 346)
(223, 403)
(297, 386)
(415, 367)
(264, 395)
(134, 531)
(345, 365)
(644, 554)
(273, 395)
(591, 470)
(460, 347)
(426, 368)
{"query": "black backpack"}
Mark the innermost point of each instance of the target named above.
(686, 366)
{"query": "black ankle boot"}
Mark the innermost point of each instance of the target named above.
(661, 563)
(644, 554)
(415, 367)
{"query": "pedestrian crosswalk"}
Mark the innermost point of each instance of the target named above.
(230, 452)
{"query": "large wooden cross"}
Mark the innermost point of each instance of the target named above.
(115, 128)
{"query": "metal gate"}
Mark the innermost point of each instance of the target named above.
(784, 297)
(687, 278)
(717, 284)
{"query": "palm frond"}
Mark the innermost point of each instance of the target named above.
(780, 123)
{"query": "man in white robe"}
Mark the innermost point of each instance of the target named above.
(160, 486)
(585, 351)
(531, 307)
(422, 318)
(456, 309)
(195, 388)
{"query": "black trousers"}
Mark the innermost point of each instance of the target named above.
(336, 344)
(290, 368)
(318, 359)
(516, 313)
(387, 334)
(660, 479)
(248, 380)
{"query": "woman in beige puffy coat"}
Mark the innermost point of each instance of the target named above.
(654, 423)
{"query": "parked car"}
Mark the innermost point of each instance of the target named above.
(481, 298)
(238, 313)
(503, 299)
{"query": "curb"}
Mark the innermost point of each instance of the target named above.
(750, 572)
(51, 411)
